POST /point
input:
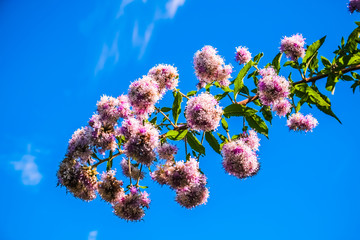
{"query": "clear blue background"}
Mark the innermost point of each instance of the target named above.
(58, 57)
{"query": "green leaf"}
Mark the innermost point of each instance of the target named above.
(220, 96)
(354, 59)
(238, 110)
(355, 85)
(176, 135)
(276, 62)
(195, 143)
(191, 93)
(347, 78)
(109, 165)
(153, 121)
(327, 109)
(222, 137)
(165, 109)
(315, 97)
(213, 142)
(239, 80)
(325, 62)
(292, 64)
(267, 113)
(258, 57)
(143, 187)
(331, 81)
(312, 49)
(224, 124)
(351, 44)
(176, 109)
(255, 122)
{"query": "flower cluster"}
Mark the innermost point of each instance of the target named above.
(354, 5)
(166, 77)
(109, 187)
(203, 112)
(142, 143)
(80, 144)
(282, 107)
(242, 55)
(239, 156)
(167, 151)
(143, 94)
(272, 88)
(81, 181)
(293, 46)
(186, 179)
(210, 67)
(299, 122)
(131, 206)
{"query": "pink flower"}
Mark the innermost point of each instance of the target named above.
(293, 46)
(131, 206)
(242, 55)
(110, 188)
(210, 67)
(166, 77)
(271, 87)
(354, 5)
(282, 107)
(142, 143)
(143, 94)
(299, 122)
(81, 181)
(239, 160)
(203, 112)
(192, 196)
(167, 151)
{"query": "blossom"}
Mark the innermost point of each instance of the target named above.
(129, 127)
(123, 108)
(282, 107)
(299, 122)
(166, 76)
(293, 46)
(239, 160)
(252, 140)
(192, 196)
(159, 175)
(142, 144)
(354, 5)
(143, 94)
(203, 112)
(80, 144)
(242, 55)
(81, 181)
(111, 109)
(109, 187)
(131, 206)
(134, 172)
(210, 67)
(271, 87)
(167, 151)
(183, 174)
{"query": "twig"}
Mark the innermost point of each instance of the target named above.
(167, 118)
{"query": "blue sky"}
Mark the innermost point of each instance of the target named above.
(59, 57)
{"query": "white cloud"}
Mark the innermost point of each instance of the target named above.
(92, 235)
(123, 4)
(30, 174)
(107, 53)
(172, 7)
(142, 41)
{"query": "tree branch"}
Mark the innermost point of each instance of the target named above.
(306, 80)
